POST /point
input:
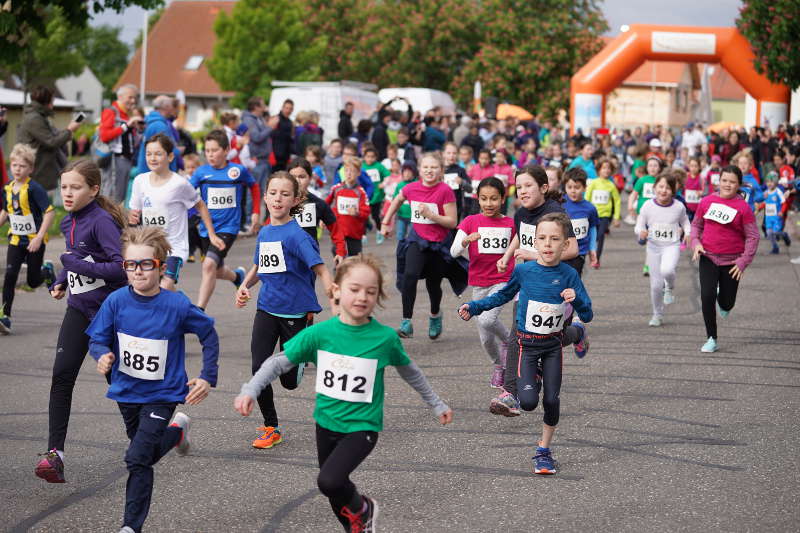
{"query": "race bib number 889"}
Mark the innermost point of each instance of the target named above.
(270, 258)
(344, 377)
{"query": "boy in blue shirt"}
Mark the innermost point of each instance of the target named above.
(583, 215)
(222, 186)
(547, 289)
(773, 222)
(138, 336)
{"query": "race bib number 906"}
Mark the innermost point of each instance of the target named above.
(493, 240)
(142, 358)
(270, 258)
(221, 197)
(527, 236)
(543, 318)
(344, 377)
(720, 213)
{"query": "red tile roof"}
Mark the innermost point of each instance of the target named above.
(185, 29)
(724, 86)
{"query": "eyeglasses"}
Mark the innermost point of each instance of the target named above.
(145, 264)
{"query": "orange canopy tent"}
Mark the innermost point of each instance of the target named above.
(724, 125)
(512, 111)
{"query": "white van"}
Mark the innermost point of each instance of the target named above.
(326, 98)
(422, 99)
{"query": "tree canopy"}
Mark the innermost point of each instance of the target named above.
(105, 54)
(773, 27)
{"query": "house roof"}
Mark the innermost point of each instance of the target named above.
(13, 98)
(185, 29)
(724, 86)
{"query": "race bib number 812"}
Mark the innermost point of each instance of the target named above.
(344, 377)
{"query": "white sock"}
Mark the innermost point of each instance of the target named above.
(60, 454)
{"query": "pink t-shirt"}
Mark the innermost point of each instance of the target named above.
(719, 224)
(496, 235)
(693, 191)
(476, 174)
(504, 173)
(435, 197)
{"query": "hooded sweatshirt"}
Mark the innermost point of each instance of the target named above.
(155, 124)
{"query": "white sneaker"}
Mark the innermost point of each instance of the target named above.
(629, 220)
(795, 261)
(669, 298)
(126, 529)
(655, 321)
(182, 421)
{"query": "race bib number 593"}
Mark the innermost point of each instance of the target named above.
(345, 377)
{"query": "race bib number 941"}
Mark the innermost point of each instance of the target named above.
(142, 358)
(221, 197)
(720, 213)
(344, 377)
(664, 232)
(543, 318)
(270, 258)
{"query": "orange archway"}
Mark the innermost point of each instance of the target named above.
(609, 68)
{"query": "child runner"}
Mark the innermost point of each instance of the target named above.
(222, 187)
(483, 169)
(351, 352)
(583, 216)
(465, 159)
(693, 188)
(483, 238)
(137, 337)
(504, 171)
(403, 220)
(659, 225)
(455, 177)
(191, 162)
(774, 199)
(643, 191)
(92, 271)
(350, 203)
(377, 173)
(548, 290)
(604, 195)
(427, 252)
(750, 186)
(162, 198)
(30, 215)
(287, 262)
(725, 240)
(536, 201)
(554, 179)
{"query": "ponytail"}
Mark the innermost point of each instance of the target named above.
(115, 210)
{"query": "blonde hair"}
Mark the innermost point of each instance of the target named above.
(25, 152)
(151, 236)
(367, 260)
(354, 162)
(436, 156)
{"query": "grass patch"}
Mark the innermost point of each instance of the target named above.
(54, 230)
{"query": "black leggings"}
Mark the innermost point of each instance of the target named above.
(73, 343)
(548, 354)
(602, 228)
(712, 277)
(15, 256)
(268, 330)
(339, 455)
(376, 209)
(434, 266)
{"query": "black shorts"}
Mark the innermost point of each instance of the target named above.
(214, 253)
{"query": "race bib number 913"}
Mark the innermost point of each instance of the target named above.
(344, 377)
(142, 358)
(79, 284)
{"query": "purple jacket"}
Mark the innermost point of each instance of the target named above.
(91, 232)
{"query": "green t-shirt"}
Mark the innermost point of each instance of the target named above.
(377, 173)
(405, 207)
(644, 186)
(350, 361)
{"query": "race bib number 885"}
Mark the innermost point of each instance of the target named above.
(344, 377)
(142, 358)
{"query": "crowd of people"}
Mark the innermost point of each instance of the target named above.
(517, 210)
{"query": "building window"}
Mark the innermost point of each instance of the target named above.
(193, 63)
(79, 96)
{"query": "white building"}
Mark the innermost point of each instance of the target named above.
(85, 89)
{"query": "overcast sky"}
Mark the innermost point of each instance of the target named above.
(617, 12)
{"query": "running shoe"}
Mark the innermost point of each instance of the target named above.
(268, 439)
(795, 261)
(240, 274)
(435, 326)
(498, 377)
(786, 239)
(5, 324)
(379, 238)
(365, 521)
(51, 468)
(191, 259)
(505, 405)
(49, 271)
(582, 346)
(406, 329)
(723, 313)
(710, 346)
(543, 462)
(127, 529)
(182, 421)
(646, 271)
(669, 297)
(629, 220)
(655, 321)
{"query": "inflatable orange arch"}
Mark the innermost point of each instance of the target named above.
(690, 44)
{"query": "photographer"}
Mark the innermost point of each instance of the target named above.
(117, 128)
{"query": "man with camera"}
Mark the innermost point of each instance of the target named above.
(117, 131)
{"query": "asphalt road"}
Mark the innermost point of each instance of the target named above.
(654, 435)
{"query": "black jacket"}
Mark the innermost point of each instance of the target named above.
(345, 129)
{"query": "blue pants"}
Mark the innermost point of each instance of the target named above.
(549, 352)
(151, 439)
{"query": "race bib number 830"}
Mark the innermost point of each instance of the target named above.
(344, 377)
(720, 213)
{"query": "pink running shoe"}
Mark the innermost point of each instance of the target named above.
(51, 468)
(498, 377)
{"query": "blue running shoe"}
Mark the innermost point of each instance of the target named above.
(406, 329)
(5, 324)
(543, 462)
(49, 271)
(435, 326)
(504, 405)
(710, 346)
(240, 274)
(723, 313)
(582, 346)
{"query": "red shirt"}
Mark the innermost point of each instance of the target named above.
(340, 199)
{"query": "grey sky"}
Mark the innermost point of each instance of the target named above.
(617, 12)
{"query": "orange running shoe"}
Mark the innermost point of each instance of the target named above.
(270, 438)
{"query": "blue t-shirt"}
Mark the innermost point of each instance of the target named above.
(146, 336)
(772, 210)
(584, 218)
(284, 256)
(222, 189)
(752, 191)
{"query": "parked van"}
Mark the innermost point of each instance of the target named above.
(422, 99)
(326, 98)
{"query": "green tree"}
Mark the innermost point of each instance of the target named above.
(773, 27)
(105, 54)
(256, 45)
(23, 20)
(530, 50)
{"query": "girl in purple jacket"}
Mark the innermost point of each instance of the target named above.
(92, 271)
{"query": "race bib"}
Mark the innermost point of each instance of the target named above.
(401, 155)
(503, 178)
(346, 378)
(663, 232)
(154, 216)
(527, 236)
(692, 196)
(474, 193)
(221, 197)
(647, 190)
(344, 203)
(79, 284)
(600, 197)
(270, 258)
(580, 226)
(543, 319)
(494, 240)
(22, 224)
(771, 210)
(715, 179)
(720, 213)
(307, 218)
(142, 358)
(374, 174)
(451, 180)
(416, 216)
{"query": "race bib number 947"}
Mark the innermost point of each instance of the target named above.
(344, 377)
(142, 358)
(543, 318)
(720, 213)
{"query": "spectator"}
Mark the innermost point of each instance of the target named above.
(311, 134)
(433, 138)
(116, 129)
(345, 129)
(462, 130)
(380, 135)
(283, 136)
(159, 121)
(260, 140)
(730, 148)
(49, 142)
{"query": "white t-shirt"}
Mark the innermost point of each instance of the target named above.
(166, 206)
